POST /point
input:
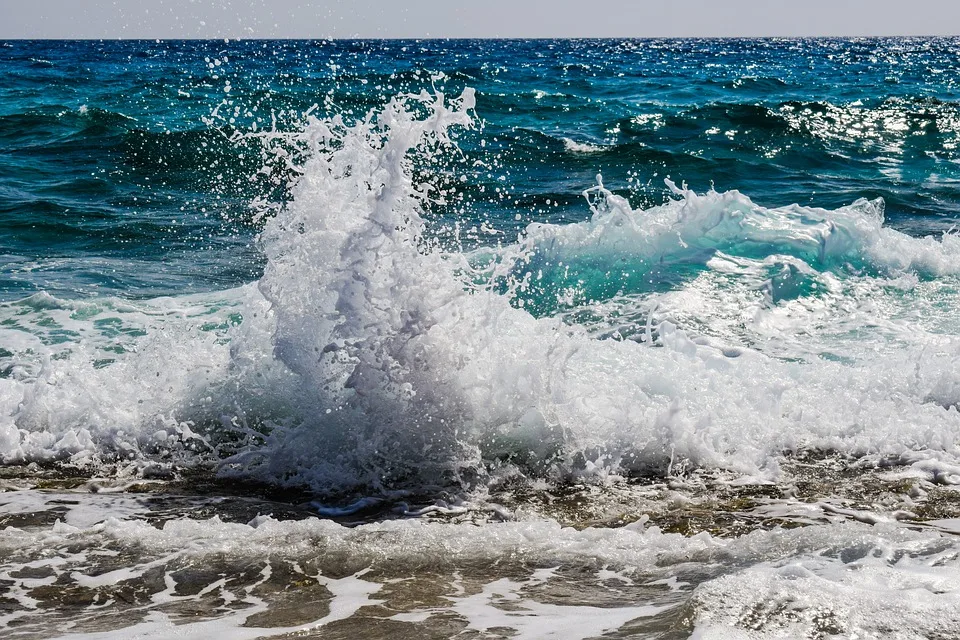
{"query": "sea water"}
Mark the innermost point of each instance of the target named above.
(485, 338)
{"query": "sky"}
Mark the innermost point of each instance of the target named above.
(476, 19)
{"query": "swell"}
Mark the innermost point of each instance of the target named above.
(62, 123)
(819, 127)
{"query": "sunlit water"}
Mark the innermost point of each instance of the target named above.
(499, 339)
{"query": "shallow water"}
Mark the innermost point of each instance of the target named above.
(493, 339)
(147, 560)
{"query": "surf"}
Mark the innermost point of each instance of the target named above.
(370, 356)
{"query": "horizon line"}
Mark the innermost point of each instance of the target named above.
(463, 38)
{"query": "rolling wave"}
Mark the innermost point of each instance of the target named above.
(708, 330)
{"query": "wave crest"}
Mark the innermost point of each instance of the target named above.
(708, 331)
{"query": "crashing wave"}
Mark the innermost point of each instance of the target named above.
(367, 356)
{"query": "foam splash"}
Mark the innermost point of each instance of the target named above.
(708, 331)
(415, 375)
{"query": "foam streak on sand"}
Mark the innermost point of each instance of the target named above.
(195, 577)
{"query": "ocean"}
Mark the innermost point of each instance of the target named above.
(480, 338)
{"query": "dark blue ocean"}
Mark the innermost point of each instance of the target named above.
(118, 177)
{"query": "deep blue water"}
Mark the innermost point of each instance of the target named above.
(117, 176)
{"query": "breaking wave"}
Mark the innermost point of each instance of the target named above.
(709, 331)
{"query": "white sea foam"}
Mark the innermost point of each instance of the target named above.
(367, 356)
(214, 578)
(581, 147)
(872, 593)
